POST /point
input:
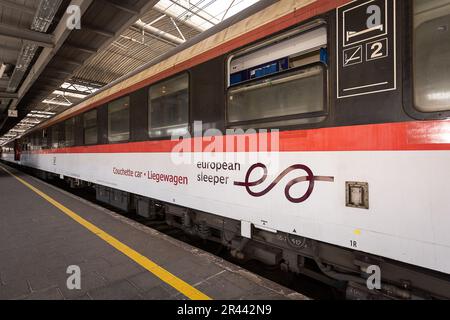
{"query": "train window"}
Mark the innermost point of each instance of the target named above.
(44, 143)
(37, 141)
(432, 55)
(90, 127)
(55, 136)
(32, 141)
(281, 81)
(69, 127)
(296, 94)
(119, 120)
(25, 143)
(169, 107)
(290, 50)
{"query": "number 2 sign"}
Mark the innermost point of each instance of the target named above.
(377, 49)
(366, 45)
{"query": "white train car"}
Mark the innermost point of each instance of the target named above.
(312, 135)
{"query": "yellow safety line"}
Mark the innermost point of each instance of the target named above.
(178, 284)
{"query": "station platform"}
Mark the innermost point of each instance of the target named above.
(44, 231)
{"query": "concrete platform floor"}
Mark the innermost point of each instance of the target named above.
(45, 230)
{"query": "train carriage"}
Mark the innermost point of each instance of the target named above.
(309, 135)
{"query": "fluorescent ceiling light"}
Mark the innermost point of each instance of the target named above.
(2, 69)
(79, 87)
(57, 103)
(69, 94)
(43, 112)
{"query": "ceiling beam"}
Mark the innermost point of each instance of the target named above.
(41, 39)
(56, 70)
(132, 19)
(60, 35)
(53, 77)
(99, 31)
(48, 88)
(7, 95)
(4, 47)
(78, 47)
(16, 6)
(121, 7)
(69, 60)
(126, 25)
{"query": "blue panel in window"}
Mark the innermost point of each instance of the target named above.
(271, 69)
(260, 71)
(324, 55)
(236, 78)
(284, 64)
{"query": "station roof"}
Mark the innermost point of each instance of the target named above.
(45, 67)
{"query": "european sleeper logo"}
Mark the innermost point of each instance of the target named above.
(310, 178)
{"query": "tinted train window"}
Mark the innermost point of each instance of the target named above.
(279, 82)
(119, 120)
(44, 143)
(432, 55)
(33, 141)
(169, 107)
(295, 94)
(69, 127)
(25, 143)
(55, 136)
(90, 127)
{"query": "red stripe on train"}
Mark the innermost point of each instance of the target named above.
(428, 135)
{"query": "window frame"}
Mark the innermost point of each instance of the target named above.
(55, 129)
(189, 126)
(96, 127)
(44, 133)
(297, 30)
(409, 104)
(265, 42)
(299, 116)
(66, 142)
(129, 120)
